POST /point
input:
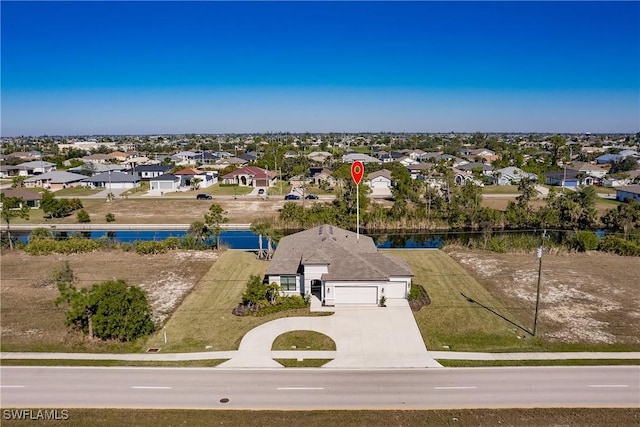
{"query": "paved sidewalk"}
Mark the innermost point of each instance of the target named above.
(459, 355)
(297, 354)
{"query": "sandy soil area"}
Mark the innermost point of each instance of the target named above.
(27, 292)
(584, 297)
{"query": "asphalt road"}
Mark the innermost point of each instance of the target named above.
(59, 387)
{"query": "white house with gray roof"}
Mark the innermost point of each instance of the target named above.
(338, 268)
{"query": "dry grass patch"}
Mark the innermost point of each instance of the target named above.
(586, 298)
(170, 210)
(589, 302)
(31, 322)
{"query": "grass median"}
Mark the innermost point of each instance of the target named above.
(455, 417)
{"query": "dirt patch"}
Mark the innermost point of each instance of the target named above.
(29, 317)
(584, 297)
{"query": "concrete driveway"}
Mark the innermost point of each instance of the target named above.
(365, 337)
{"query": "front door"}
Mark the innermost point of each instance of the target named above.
(316, 289)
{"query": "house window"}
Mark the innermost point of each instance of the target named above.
(288, 283)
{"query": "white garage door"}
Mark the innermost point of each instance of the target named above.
(356, 295)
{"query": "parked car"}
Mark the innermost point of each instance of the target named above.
(261, 191)
(292, 197)
(311, 197)
(203, 196)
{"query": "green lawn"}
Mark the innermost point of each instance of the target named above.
(209, 363)
(234, 190)
(586, 417)
(304, 363)
(500, 189)
(280, 189)
(604, 190)
(450, 320)
(303, 340)
(143, 188)
(76, 192)
(204, 318)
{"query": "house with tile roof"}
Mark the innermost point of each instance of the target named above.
(251, 176)
(337, 267)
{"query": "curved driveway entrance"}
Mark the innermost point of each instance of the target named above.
(365, 337)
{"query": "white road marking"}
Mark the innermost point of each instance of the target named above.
(11, 386)
(455, 388)
(608, 385)
(300, 388)
(144, 387)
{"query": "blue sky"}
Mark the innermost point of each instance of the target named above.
(220, 67)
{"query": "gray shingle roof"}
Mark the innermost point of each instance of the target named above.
(348, 258)
(57, 177)
(112, 177)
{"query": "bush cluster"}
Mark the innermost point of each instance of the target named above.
(151, 247)
(73, 245)
(620, 246)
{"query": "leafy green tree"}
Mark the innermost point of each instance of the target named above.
(81, 307)
(199, 232)
(39, 234)
(576, 209)
(18, 181)
(123, 312)
(214, 219)
(58, 208)
(11, 208)
(624, 165)
(623, 218)
(83, 216)
(109, 217)
(557, 148)
(109, 310)
(255, 292)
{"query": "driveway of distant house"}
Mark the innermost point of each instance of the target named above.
(104, 193)
(365, 337)
(380, 192)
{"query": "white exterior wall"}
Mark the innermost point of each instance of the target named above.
(313, 272)
(398, 287)
(164, 185)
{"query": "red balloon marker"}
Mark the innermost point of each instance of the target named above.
(357, 170)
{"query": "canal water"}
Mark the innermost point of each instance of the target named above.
(248, 240)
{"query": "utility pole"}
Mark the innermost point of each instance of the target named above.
(539, 253)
